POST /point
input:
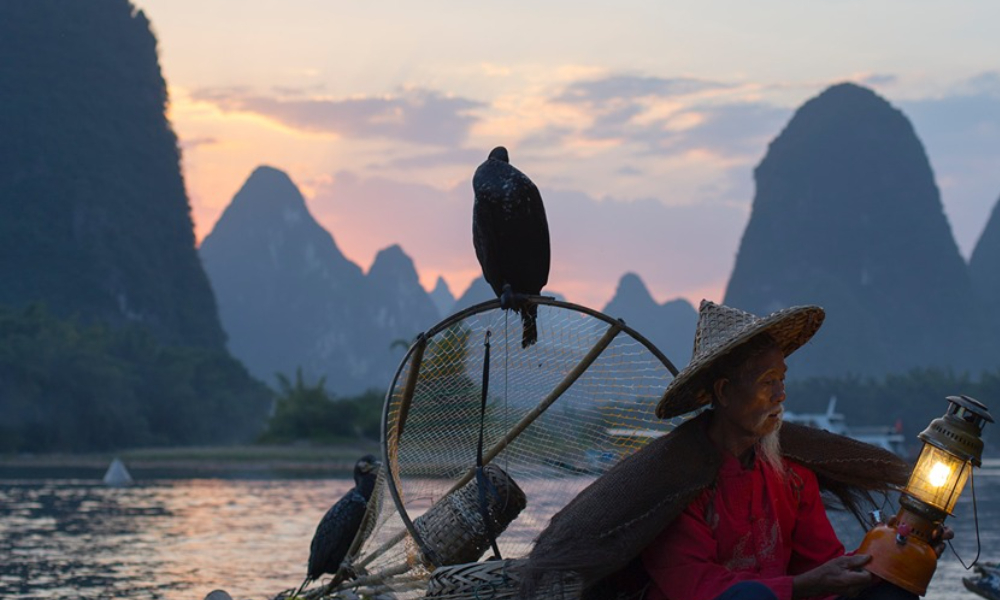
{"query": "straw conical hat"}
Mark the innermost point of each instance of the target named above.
(720, 330)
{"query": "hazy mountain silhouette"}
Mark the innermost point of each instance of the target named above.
(282, 285)
(984, 269)
(94, 218)
(289, 298)
(442, 297)
(669, 326)
(478, 291)
(847, 215)
(401, 307)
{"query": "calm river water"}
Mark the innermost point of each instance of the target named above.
(64, 535)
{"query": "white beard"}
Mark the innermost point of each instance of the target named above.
(769, 450)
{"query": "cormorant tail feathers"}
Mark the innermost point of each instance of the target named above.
(529, 318)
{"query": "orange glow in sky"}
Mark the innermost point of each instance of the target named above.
(641, 122)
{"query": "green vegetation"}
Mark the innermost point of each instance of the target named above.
(449, 393)
(310, 413)
(71, 386)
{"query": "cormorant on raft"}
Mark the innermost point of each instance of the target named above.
(511, 237)
(340, 524)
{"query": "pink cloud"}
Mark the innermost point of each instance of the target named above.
(413, 115)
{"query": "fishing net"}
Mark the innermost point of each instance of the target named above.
(557, 415)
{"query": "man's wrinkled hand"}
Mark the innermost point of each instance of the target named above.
(843, 576)
(941, 534)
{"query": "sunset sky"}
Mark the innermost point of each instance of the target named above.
(640, 121)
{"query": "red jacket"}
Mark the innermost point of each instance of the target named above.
(753, 525)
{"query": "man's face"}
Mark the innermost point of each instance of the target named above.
(753, 402)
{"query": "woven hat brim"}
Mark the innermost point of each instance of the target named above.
(790, 327)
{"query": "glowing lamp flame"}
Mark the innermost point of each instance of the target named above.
(939, 474)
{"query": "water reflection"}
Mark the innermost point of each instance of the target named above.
(161, 539)
(82, 539)
(181, 538)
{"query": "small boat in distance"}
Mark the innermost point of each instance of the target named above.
(888, 437)
(117, 475)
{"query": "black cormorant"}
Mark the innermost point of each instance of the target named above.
(511, 236)
(340, 524)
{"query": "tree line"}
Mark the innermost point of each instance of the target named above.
(912, 399)
(68, 385)
(73, 385)
(304, 412)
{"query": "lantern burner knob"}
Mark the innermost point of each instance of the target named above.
(902, 532)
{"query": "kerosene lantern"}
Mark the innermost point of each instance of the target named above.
(901, 549)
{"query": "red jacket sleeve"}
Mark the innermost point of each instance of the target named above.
(681, 561)
(814, 542)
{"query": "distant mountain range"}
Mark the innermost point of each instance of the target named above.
(846, 215)
(289, 299)
(95, 224)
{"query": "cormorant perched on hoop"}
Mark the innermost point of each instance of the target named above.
(340, 524)
(511, 237)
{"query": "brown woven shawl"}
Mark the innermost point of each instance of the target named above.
(601, 531)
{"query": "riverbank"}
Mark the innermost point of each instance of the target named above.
(210, 461)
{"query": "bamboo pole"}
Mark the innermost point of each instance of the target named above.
(410, 385)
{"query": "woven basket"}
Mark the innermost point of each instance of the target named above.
(453, 528)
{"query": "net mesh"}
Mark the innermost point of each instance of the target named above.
(557, 415)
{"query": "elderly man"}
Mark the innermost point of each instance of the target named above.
(728, 505)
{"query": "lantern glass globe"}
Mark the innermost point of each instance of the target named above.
(938, 478)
